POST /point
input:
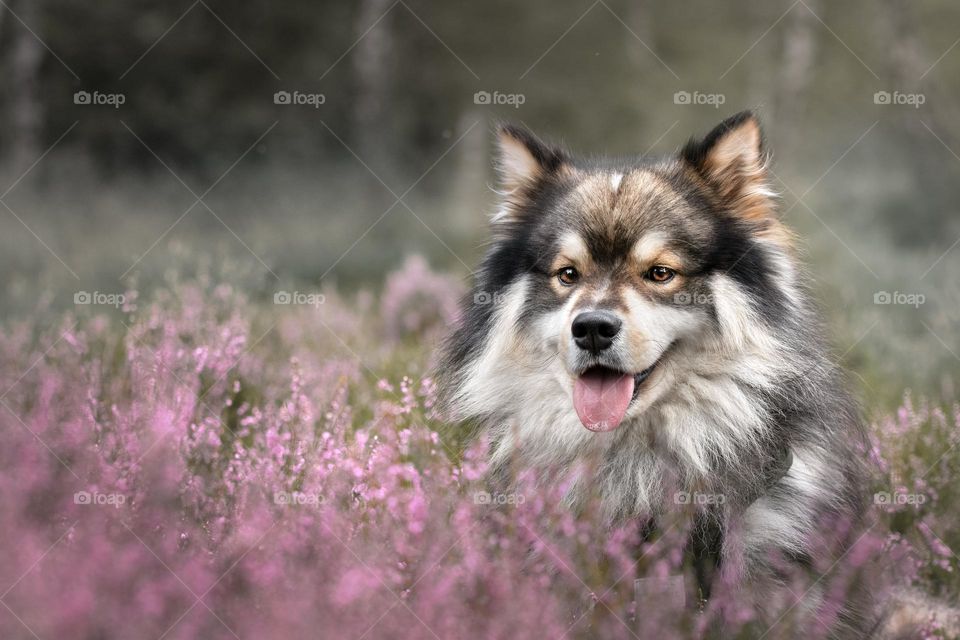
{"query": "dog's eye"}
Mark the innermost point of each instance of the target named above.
(660, 274)
(568, 276)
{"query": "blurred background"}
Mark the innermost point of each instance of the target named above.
(319, 144)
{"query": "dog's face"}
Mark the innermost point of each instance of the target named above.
(623, 261)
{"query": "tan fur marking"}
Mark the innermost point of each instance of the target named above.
(594, 199)
(651, 250)
(637, 190)
(741, 146)
(603, 208)
(648, 246)
(519, 170)
(737, 169)
(517, 164)
(572, 252)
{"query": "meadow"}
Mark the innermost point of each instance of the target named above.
(220, 307)
(201, 462)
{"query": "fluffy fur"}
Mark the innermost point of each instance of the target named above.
(743, 401)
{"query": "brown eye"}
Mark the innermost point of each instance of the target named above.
(568, 276)
(661, 274)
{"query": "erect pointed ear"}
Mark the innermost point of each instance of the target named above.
(732, 160)
(524, 160)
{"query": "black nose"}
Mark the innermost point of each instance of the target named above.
(594, 331)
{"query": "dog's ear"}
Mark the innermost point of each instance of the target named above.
(524, 162)
(731, 159)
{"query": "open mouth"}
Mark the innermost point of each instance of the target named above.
(601, 395)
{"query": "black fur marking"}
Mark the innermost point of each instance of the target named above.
(736, 253)
(705, 549)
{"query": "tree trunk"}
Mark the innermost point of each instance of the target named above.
(371, 59)
(470, 199)
(800, 44)
(26, 108)
(638, 16)
(932, 168)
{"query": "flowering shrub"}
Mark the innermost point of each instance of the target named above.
(203, 466)
(418, 301)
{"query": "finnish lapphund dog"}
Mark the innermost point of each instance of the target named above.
(641, 328)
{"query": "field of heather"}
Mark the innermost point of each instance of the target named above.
(199, 463)
(233, 236)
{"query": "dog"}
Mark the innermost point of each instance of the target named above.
(643, 329)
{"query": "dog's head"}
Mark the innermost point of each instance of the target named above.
(612, 268)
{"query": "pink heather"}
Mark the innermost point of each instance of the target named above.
(280, 474)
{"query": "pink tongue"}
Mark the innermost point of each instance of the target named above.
(600, 397)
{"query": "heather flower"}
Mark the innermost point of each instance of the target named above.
(418, 301)
(294, 475)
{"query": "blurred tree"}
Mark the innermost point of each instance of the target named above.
(639, 19)
(372, 64)
(26, 108)
(800, 44)
(462, 216)
(918, 220)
